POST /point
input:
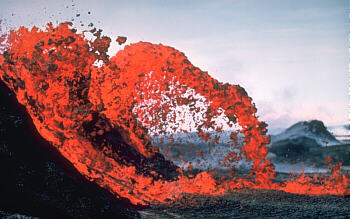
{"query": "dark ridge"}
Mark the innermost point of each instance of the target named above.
(294, 150)
(37, 180)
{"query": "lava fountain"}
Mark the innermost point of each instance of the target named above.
(104, 118)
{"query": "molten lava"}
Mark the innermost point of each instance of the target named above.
(102, 118)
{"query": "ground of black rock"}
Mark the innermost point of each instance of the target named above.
(255, 204)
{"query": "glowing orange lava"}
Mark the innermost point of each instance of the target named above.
(99, 117)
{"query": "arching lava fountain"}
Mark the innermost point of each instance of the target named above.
(104, 118)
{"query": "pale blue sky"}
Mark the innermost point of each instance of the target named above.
(290, 55)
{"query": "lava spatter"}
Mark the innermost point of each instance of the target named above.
(102, 119)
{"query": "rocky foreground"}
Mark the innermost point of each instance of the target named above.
(256, 204)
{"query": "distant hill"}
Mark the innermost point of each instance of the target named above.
(307, 142)
(312, 130)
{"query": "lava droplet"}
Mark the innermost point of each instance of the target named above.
(121, 40)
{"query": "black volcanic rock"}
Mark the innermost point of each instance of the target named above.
(125, 154)
(37, 181)
(294, 150)
(298, 146)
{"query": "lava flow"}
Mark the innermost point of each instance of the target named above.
(102, 118)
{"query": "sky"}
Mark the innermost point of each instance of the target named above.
(289, 55)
